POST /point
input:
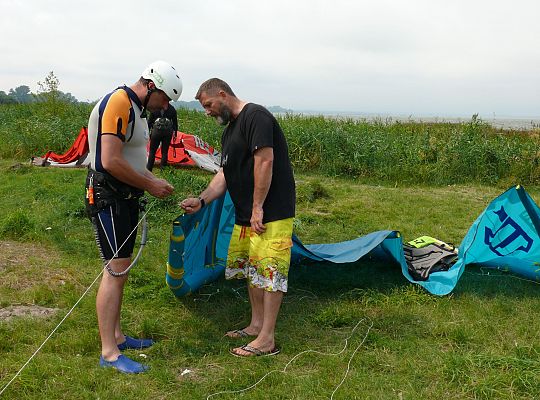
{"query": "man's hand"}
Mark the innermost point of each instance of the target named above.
(160, 188)
(257, 225)
(191, 205)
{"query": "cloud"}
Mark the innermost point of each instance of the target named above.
(385, 56)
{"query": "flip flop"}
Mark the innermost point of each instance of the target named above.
(254, 352)
(239, 334)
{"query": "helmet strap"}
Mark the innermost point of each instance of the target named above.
(147, 98)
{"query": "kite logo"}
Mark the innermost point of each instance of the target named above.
(508, 238)
(201, 144)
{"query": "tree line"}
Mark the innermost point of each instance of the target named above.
(48, 91)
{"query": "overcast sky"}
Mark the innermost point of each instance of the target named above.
(415, 57)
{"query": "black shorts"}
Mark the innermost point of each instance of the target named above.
(115, 229)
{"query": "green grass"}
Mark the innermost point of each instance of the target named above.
(374, 151)
(481, 342)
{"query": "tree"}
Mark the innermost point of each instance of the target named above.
(68, 97)
(21, 94)
(48, 89)
(5, 98)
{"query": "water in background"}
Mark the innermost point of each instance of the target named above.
(509, 123)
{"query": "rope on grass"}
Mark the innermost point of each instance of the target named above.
(492, 273)
(288, 299)
(75, 305)
(284, 370)
(292, 298)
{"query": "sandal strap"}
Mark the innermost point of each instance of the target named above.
(253, 350)
(241, 333)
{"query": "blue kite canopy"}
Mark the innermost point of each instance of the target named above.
(198, 246)
(505, 236)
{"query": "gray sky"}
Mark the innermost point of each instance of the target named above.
(415, 57)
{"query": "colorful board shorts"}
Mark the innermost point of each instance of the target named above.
(113, 226)
(263, 259)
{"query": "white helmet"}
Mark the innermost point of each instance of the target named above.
(165, 78)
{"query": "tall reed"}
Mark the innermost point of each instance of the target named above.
(380, 150)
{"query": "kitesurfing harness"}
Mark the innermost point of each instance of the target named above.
(144, 235)
(104, 190)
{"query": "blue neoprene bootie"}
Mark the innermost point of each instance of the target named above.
(123, 364)
(132, 343)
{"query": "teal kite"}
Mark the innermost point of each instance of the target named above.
(505, 236)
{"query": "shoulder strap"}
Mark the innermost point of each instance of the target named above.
(131, 114)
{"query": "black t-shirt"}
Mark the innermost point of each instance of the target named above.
(255, 127)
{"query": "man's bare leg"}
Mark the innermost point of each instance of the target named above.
(256, 297)
(265, 341)
(108, 305)
(118, 333)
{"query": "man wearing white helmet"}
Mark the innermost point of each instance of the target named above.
(117, 178)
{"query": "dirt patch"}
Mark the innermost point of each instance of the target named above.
(15, 253)
(323, 213)
(15, 311)
(200, 374)
(24, 265)
(186, 373)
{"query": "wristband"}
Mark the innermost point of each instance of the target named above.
(203, 203)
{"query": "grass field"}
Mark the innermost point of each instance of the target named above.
(375, 151)
(388, 338)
